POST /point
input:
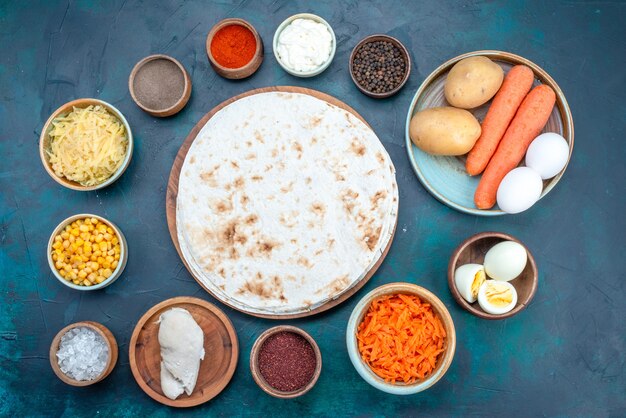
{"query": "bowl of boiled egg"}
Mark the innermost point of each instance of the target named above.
(492, 275)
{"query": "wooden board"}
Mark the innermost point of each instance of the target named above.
(220, 345)
(172, 194)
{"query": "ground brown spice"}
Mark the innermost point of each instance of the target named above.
(287, 361)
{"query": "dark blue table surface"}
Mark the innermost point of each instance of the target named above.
(563, 356)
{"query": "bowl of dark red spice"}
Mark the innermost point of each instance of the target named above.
(285, 362)
(234, 48)
(160, 85)
(380, 66)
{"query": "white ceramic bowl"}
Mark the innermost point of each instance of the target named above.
(364, 370)
(44, 141)
(317, 70)
(120, 266)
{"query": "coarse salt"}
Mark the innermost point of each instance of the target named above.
(83, 354)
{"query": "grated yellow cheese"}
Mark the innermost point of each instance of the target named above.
(87, 145)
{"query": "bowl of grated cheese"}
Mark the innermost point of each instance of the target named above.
(86, 144)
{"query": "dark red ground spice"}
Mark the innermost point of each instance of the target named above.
(287, 361)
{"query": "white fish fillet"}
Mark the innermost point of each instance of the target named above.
(182, 349)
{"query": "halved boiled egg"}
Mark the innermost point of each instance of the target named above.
(468, 279)
(496, 297)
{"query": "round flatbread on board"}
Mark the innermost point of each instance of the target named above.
(284, 202)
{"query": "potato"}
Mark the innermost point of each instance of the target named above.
(444, 130)
(473, 82)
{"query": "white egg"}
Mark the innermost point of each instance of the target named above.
(468, 279)
(497, 298)
(519, 190)
(547, 154)
(505, 261)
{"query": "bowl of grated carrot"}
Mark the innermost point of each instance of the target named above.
(401, 338)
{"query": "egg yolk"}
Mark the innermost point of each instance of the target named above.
(498, 294)
(479, 279)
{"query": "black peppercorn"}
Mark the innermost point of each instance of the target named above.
(378, 66)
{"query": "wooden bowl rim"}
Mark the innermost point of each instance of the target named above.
(101, 330)
(356, 317)
(514, 59)
(403, 50)
(82, 103)
(257, 53)
(185, 402)
(521, 303)
(181, 102)
(121, 265)
(315, 71)
(254, 362)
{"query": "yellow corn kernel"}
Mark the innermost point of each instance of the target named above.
(116, 256)
(102, 228)
(73, 275)
(92, 277)
(106, 265)
(103, 246)
(99, 238)
(94, 221)
(63, 273)
(57, 244)
(54, 257)
(87, 282)
(95, 266)
(114, 264)
(67, 268)
(58, 265)
(75, 232)
(82, 274)
(100, 279)
(58, 238)
(115, 241)
(83, 228)
(66, 244)
(107, 273)
(93, 257)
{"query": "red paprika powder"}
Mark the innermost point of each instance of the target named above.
(233, 46)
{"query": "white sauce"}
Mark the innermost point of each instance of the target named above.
(304, 45)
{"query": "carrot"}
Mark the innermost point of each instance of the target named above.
(528, 122)
(408, 342)
(515, 87)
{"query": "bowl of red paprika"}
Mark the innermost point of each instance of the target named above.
(234, 48)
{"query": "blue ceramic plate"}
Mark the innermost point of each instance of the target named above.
(445, 177)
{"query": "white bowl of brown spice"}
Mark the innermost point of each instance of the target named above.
(285, 362)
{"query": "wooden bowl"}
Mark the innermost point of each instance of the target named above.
(220, 345)
(315, 71)
(160, 85)
(44, 144)
(473, 250)
(248, 69)
(366, 372)
(120, 265)
(405, 54)
(104, 333)
(256, 372)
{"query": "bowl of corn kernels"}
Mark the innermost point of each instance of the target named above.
(87, 252)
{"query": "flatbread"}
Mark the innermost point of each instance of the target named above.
(284, 202)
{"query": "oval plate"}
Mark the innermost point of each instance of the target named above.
(220, 346)
(445, 177)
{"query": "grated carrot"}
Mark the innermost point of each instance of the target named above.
(401, 338)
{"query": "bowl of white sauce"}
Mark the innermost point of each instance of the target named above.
(304, 45)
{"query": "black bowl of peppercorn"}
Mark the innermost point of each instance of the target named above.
(380, 66)
(285, 361)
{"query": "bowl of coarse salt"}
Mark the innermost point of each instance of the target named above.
(83, 353)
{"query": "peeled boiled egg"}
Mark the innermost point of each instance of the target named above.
(519, 190)
(547, 154)
(468, 279)
(505, 261)
(496, 297)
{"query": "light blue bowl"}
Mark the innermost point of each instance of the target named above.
(445, 177)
